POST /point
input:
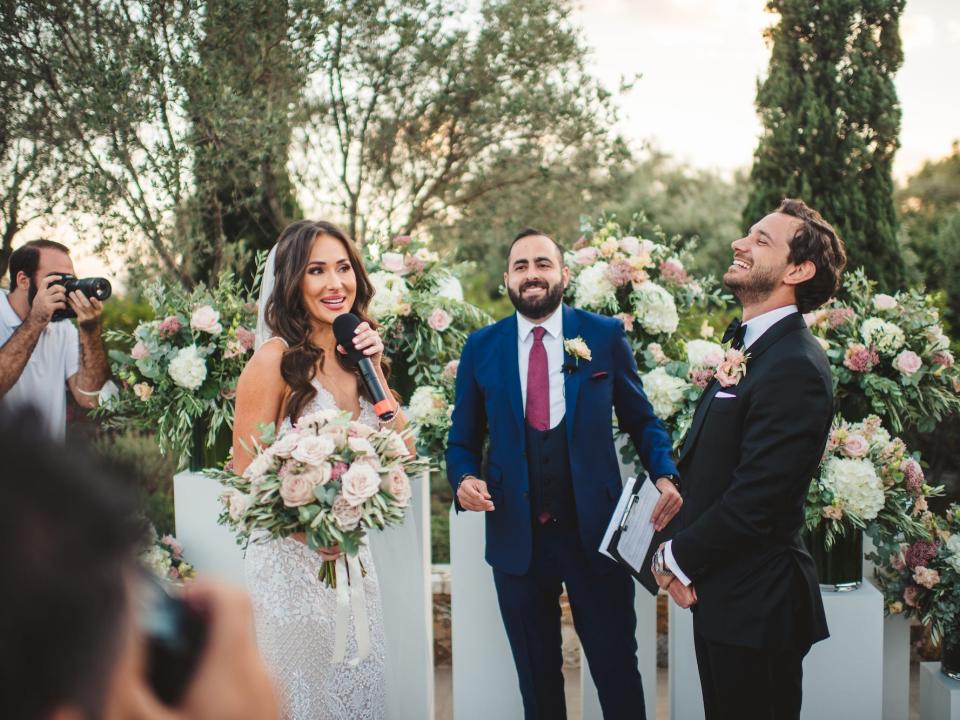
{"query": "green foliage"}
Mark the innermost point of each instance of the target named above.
(122, 314)
(831, 121)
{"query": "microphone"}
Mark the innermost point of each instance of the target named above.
(344, 327)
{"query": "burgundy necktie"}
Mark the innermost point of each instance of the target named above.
(538, 384)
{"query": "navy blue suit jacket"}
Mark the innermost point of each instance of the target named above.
(488, 402)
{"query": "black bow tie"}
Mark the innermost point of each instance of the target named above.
(735, 331)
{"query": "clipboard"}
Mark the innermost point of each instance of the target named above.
(630, 539)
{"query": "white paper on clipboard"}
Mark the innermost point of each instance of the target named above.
(638, 531)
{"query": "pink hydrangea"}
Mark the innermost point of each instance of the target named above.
(860, 358)
(620, 272)
(170, 326)
(247, 338)
(672, 272)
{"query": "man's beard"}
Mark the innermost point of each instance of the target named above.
(755, 287)
(537, 308)
(32, 292)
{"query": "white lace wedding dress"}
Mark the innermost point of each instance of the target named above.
(295, 617)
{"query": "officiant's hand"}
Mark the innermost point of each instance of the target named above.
(472, 495)
(684, 597)
(667, 506)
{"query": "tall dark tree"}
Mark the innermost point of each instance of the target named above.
(831, 121)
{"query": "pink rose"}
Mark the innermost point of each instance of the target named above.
(884, 302)
(832, 513)
(440, 319)
(908, 362)
(855, 446)
(359, 430)
(943, 358)
(398, 485)
(672, 272)
(347, 516)
(170, 326)
(361, 446)
(296, 490)
(139, 352)
(630, 245)
(402, 240)
(339, 468)
(234, 348)
(586, 256)
(206, 319)
(247, 338)
(910, 595)
(359, 483)
(393, 262)
(450, 369)
(237, 504)
(627, 319)
(313, 449)
(176, 549)
(143, 391)
(926, 577)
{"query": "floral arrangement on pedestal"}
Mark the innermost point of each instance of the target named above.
(163, 556)
(419, 304)
(890, 356)
(868, 481)
(921, 578)
(179, 373)
(430, 410)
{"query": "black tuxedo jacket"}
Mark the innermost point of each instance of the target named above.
(746, 465)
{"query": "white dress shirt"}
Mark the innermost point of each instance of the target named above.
(753, 329)
(553, 343)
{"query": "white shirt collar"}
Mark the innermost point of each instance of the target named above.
(7, 314)
(755, 327)
(553, 325)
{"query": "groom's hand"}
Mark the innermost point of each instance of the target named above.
(472, 495)
(667, 506)
(684, 597)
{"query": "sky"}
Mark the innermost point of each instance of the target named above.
(700, 60)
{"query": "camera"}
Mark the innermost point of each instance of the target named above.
(176, 634)
(93, 287)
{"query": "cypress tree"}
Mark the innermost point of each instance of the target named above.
(831, 121)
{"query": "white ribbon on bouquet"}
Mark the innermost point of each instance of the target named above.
(349, 575)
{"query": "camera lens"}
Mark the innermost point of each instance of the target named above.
(95, 287)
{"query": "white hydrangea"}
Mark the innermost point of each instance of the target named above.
(703, 353)
(886, 336)
(855, 484)
(664, 391)
(655, 308)
(450, 288)
(953, 548)
(188, 369)
(594, 291)
(427, 405)
(156, 560)
(390, 291)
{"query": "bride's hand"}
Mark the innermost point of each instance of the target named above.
(327, 553)
(368, 341)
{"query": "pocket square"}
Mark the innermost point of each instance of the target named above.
(599, 375)
(723, 394)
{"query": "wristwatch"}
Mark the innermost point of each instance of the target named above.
(673, 478)
(659, 565)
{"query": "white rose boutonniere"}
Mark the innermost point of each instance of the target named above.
(578, 349)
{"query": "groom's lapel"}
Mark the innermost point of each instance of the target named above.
(510, 371)
(572, 370)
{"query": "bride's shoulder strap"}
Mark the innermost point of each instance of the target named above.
(277, 337)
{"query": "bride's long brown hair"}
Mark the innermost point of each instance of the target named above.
(288, 318)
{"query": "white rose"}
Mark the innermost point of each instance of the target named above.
(426, 405)
(258, 467)
(313, 449)
(586, 256)
(395, 446)
(656, 310)
(449, 288)
(393, 262)
(397, 484)
(359, 483)
(884, 302)
(237, 504)
(206, 319)
(359, 429)
(188, 369)
(347, 516)
(664, 391)
(855, 484)
(284, 445)
(361, 446)
(702, 353)
(593, 290)
(297, 490)
(630, 245)
(317, 420)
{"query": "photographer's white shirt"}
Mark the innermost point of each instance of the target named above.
(55, 359)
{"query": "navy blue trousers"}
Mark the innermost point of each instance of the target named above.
(603, 614)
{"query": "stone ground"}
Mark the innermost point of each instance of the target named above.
(443, 678)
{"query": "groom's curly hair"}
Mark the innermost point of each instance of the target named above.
(815, 240)
(288, 318)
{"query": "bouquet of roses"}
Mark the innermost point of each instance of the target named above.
(179, 371)
(329, 477)
(922, 578)
(163, 556)
(890, 355)
(868, 481)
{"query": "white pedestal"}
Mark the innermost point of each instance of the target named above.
(939, 695)
(896, 667)
(842, 675)
(212, 549)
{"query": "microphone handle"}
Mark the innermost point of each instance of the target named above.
(382, 405)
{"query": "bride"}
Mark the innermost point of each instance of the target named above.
(314, 274)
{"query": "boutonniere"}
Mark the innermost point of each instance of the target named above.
(732, 369)
(578, 349)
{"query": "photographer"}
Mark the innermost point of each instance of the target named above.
(37, 352)
(76, 641)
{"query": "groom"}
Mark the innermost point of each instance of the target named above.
(543, 385)
(753, 446)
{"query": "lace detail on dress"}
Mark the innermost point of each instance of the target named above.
(296, 615)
